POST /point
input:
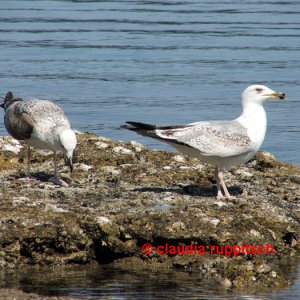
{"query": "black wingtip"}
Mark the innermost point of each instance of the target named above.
(138, 126)
(125, 126)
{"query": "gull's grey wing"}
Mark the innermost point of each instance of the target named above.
(214, 138)
(44, 111)
(18, 124)
(22, 117)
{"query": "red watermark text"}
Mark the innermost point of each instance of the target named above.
(195, 249)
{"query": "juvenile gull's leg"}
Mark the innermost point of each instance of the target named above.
(28, 177)
(55, 179)
(28, 160)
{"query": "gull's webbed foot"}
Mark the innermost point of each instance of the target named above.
(58, 181)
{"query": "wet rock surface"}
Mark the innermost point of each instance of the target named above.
(122, 196)
(9, 294)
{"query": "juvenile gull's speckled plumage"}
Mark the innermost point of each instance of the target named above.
(41, 124)
(220, 143)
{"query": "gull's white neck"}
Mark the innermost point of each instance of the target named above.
(254, 118)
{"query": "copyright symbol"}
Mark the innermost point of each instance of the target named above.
(147, 249)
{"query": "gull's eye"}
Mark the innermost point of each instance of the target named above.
(259, 90)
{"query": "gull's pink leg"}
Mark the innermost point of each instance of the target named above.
(227, 195)
(221, 183)
(55, 179)
(220, 194)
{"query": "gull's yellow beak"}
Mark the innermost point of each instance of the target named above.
(276, 95)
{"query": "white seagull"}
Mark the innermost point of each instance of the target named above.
(221, 143)
(40, 124)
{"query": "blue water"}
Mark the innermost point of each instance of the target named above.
(161, 62)
(107, 282)
(106, 62)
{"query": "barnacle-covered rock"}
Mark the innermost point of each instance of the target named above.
(122, 196)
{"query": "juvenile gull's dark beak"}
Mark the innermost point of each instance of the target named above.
(2, 105)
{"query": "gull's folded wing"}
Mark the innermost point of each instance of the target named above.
(215, 138)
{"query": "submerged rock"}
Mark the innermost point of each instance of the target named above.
(122, 197)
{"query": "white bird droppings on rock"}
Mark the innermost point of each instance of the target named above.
(244, 173)
(137, 146)
(104, 139)
(102, 145)
(122, 150)
(247, 174)
(227, 283)
(273, 234)
(169, 198)
(220, 203)
(84, 167)
(54, 208)
(177, 225)
(183, 168)
(103, 220)
(167, 168)
(215, 221)
(273, 274)
(267, 155)
(179, 158)
(125, 166)
(255, 233)
(264, 268)
(11, 148)
(198, 167)
(7, 140)
(111, 170)
(15, 142)
(19, 200)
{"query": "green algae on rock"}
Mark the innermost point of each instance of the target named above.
(122, 196)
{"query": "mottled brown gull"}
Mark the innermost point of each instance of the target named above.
(221, 143)
(40, 124)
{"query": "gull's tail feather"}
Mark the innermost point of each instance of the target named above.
(164, 133)
(141, 128)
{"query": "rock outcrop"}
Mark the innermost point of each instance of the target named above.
(122, 196)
